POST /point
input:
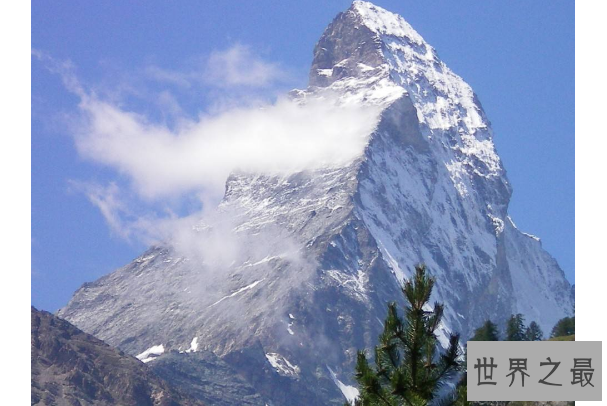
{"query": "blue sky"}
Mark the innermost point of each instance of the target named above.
(518, 57)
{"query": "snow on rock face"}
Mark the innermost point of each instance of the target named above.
(446, 106)
(332, 246)
(432, 188)
(243, 289)
(282, 365)
(351, 393)
(384, 22)
(151, 353)
(193, 345)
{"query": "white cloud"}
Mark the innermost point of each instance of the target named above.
(107, 200)
(198, 155)
(235, 67)
(65, 70)
(238, 66)
(192, 158)
(182, 79)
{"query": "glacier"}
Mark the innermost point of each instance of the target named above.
(332, 245)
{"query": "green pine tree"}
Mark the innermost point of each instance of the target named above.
(487, 332)
(534, 332)
(515, 328)
(461, 394)
(409, 369)
(460, 397)
(564, 327)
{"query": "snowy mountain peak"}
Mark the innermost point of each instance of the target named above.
(384, 22)
(370, 55)
(357, 44)
(367, 43)
(314, 256)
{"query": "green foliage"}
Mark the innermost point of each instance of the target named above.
(461, 394)
(534, 332)
(487, 332)
(408, 369)
(515, 328)
(563, 338)
(564, 327)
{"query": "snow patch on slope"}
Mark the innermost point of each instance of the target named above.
(193, 345)
(354, 284)
(282, 365)
(251, 286)
(349, 392)
(151, 353)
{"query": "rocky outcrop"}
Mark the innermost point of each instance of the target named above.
(72, 368)
(202, 375)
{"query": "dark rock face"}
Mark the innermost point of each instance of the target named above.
(345, 43)
(204, 376)
(280, 389)
(73, 368)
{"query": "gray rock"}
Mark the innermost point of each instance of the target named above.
(204, 376)
(70, 367)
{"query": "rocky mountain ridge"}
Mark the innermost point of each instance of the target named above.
(70, 367)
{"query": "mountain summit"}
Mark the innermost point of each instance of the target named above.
(302, 265)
